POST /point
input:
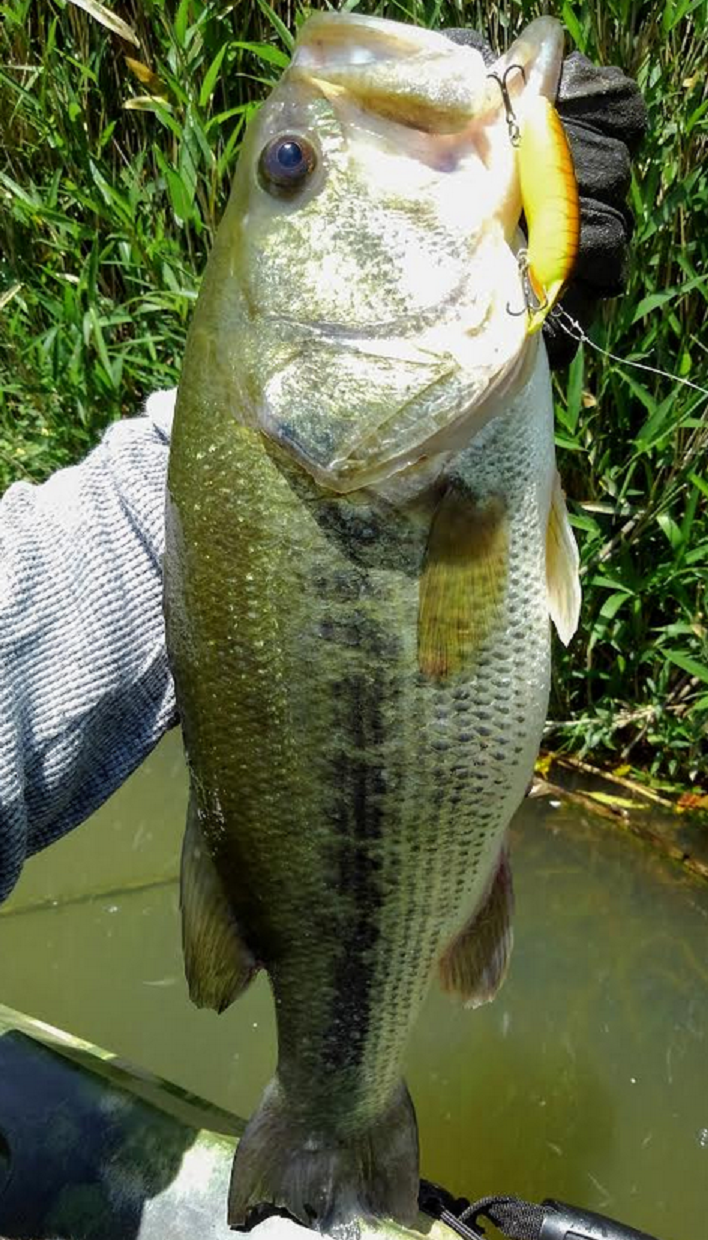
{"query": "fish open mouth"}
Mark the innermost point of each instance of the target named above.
(409, 74)
(418, 76)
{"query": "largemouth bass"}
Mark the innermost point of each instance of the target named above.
(365, 536)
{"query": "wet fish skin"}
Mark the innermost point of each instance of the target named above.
(314, 736)
(361, 655)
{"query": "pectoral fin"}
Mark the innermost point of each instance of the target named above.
(217, 963)
(562, 568)
(463, 583)
(475, 963)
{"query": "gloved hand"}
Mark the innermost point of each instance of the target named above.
(605, 119)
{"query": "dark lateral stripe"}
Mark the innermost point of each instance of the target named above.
(358, 826)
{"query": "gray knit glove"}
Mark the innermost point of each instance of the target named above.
(85, 688)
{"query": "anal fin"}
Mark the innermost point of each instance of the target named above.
(217, 962)
(475, 963)
(463, 582)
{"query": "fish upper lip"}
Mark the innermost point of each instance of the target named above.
(372, 38)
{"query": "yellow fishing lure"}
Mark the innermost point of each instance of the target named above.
(549, 196)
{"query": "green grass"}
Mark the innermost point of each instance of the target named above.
(108, 212)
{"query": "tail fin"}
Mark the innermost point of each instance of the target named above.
(323, 1179)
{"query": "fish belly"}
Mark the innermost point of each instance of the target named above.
(353, 802)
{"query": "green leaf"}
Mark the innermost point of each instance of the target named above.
(266, 52)
(180, 22)
(22, 195)
(655, 427)
(99, 339)
(671, 529)
(210, 77)
(687, 664)
(675, 12)
(696, 117)
(580, 521)
(564, 441)
(612, 605)
(611, 583)
(700, 483)
(216, 121)
(178, 193)
(643, 394)
(277, 24)
(109, 193)
(689, 516)
(652, 302)
(573, 26)
(568, 413)
(655, 300)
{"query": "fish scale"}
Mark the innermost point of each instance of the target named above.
(445, 879)
(448, 856)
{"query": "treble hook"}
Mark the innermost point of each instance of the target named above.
(533, 303)
(511, 121)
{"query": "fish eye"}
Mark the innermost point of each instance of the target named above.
(285, 164)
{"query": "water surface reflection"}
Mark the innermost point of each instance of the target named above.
(587, 1079)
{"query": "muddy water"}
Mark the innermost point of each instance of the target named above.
(587, 1079)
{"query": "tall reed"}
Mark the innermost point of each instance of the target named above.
(115, 164)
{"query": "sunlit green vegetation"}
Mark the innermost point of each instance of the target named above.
(113, 176)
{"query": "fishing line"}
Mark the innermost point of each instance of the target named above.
(533, 304)
(573, 328)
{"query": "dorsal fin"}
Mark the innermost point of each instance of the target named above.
(562, 567)
(463, 582)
